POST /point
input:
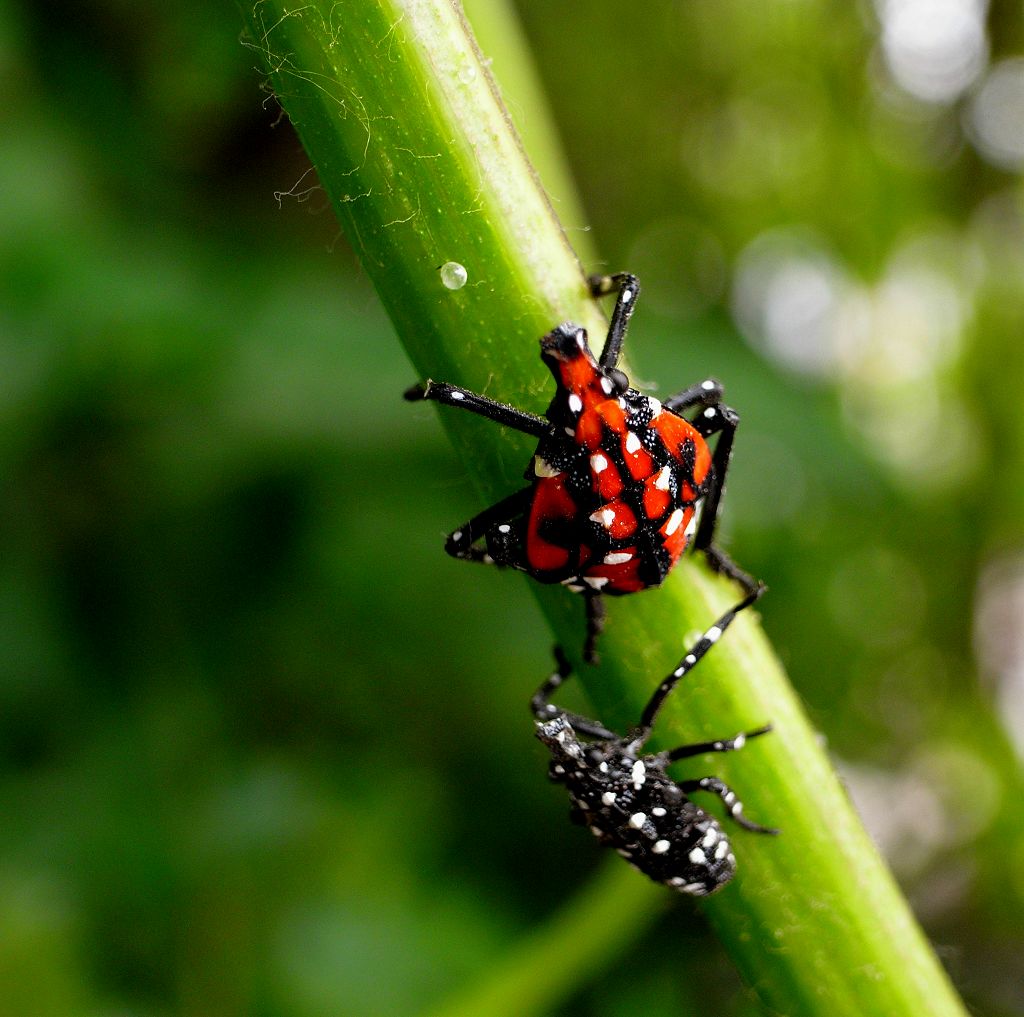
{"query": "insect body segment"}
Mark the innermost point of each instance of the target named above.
(617, 476)
(615, 491)
(627, 799)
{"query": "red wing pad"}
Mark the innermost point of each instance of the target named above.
(622, 571)
(676, 532)
(551, 501)
(606, 477)
(617, 518)
(682, 440)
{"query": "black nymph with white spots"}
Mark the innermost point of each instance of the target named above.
(627, 799)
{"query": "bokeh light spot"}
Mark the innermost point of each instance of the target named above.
(996, 116)
(934, 49)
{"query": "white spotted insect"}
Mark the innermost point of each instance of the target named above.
(627, 799)
(615, 472)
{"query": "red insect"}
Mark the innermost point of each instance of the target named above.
(617, 477)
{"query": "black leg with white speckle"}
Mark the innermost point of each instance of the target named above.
(501, 413)
(627, 288)
(719, 745)
(721, 420)
(704, 393)
(502, 549)
(689, 661)
(732, 804)
(543, 709)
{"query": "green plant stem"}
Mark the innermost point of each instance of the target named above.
(576, 943)
(398, 114)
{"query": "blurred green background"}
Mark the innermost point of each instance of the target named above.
(264, 748)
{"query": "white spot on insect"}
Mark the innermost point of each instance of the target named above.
(678, 672)
(663, 481)
(487, 559)
(627, 296)
(560, 737)
(698, 857)
(603, 767)
(691, 528)
(708, 385)
(457, 536)
(658, 811)
(604, 516)
(713, 634)
(608, 798)
(606, 386)
(710, 413)
(617, 557)
(624, 852)
(595, 582)
(542, 468)
(598, 463)
(739, 741)
(632, 443)
(457, 395)
(722, 850)
(504, 528)
(575, 402)
(710, 838)
(559, 769)
(597, 831)
(729, 797)
(637, 820)
(689, 660)
(673, 522)
(570, 431)
(676, 881)
(581, 338)
(570, 580)
(453, 275)
(639, 773)
(698, 889)
(660, 847)
(654, 406)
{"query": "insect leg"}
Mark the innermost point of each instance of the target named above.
(500, 413)
(595, 626)
(628, 288)
(719, 745)
(461, 540)
(721, 420)
(732, 804)
(544, 710)
(686, 665)
(704, 393)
